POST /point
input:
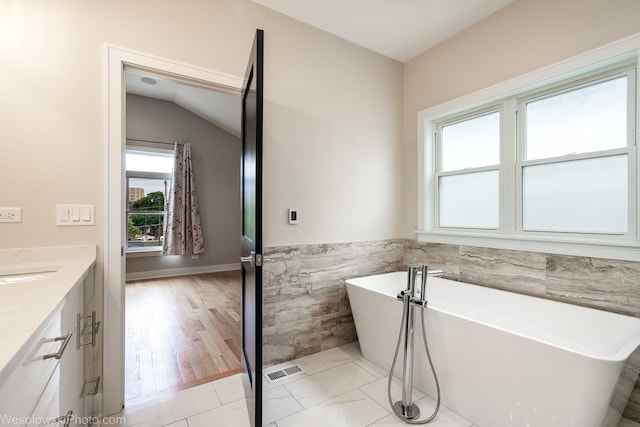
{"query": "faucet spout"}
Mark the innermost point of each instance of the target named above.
(435, 273)
(431, 273)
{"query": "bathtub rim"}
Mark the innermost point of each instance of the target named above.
(617, 357)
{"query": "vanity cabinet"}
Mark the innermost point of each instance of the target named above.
(30, 371)
(45, 380)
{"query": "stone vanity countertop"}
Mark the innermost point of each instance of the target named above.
(26, 305)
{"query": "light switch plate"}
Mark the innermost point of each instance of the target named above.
(69, 215)
(10, 214)
(293, 216)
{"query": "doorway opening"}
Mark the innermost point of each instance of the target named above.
(182, 312)
(115, 235)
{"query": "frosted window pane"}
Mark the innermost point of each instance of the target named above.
(472, 143)
(577, 196)
(589, 119)
(469, 200)
(148, 162)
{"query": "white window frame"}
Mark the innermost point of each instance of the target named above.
(135, 252)
(510, 234)
(489, 109)
(609, 73)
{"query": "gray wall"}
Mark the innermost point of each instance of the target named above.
(216, 164)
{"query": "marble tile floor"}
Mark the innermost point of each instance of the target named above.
(339, 388)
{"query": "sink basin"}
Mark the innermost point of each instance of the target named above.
(18, 274)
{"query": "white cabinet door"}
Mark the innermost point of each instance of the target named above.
(92, 354)
(72, 361)
(48, 407)
(21, 384)
(62, 395)
(44, 380)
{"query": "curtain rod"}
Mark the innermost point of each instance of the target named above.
(154, 142)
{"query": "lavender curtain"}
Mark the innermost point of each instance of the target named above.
(184, 233)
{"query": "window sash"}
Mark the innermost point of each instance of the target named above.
(512, 148)
(151, 153)
(599, 201)
(145, 247)
(627, 70)
(576, 84)
(144, 175)
(440, 205)
(493, 109)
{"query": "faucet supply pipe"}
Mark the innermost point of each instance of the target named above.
(406, 410)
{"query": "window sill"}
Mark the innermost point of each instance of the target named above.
(598, 248)
(143, 252)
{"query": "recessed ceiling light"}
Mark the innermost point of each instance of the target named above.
(148, 80)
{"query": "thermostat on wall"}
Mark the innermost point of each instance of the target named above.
(293, 216)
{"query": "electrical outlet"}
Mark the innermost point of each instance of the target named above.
(10, 214)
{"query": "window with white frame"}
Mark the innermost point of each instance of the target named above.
(148, 178)
(556, 163)
(468, 171)
(574, 157)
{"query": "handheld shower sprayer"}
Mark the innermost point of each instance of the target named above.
(405, 409)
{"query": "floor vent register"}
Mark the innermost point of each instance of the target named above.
(282, 373)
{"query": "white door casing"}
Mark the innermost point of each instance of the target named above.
(116, 58)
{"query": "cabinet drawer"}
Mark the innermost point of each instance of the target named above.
(30, 370)
(55, 403)
(49, 407)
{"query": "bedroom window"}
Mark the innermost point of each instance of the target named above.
(548, 166)
(148, 180)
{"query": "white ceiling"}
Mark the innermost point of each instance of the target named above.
(399, 29)
(219, 108)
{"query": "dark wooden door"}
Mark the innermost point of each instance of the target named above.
(251, 232)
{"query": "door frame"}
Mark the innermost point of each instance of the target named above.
(115, 60)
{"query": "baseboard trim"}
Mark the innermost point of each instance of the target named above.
(185, 271)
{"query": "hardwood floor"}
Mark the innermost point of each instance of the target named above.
(181, 332)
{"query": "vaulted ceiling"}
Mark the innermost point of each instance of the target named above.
(219, 108)
(399, 29)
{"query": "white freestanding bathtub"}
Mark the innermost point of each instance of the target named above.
(503, 359)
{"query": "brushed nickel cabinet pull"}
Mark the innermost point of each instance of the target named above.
(95, 327)
(58, 355)
(85, 387)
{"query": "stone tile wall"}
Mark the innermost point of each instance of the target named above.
(306, 308)
(305, 304)
(605, 284)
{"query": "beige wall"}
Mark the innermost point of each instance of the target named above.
(216, 165)
(333, 117)
(333, 123)
(522, 37)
